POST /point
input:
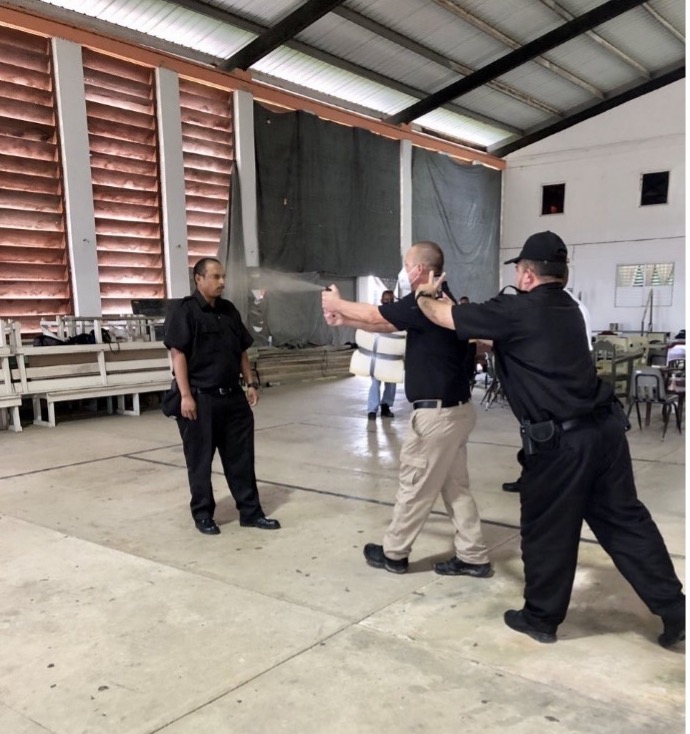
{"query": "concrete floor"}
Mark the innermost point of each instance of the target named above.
(116, 615)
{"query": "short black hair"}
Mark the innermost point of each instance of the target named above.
(201, 265)
(557, 271)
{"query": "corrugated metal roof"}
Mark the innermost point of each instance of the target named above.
(383, 56)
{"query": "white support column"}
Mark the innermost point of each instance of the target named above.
(246, 170)
(405, 196)
(76, 166)
(173, 203)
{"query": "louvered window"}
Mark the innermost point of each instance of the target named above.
(634, 282)
(34, 275)
(208, 155)
(120, 105)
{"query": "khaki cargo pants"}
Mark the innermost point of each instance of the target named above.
(433, 461)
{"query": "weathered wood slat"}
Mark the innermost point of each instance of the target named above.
(274, 365)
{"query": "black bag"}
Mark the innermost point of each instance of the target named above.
(171, 404)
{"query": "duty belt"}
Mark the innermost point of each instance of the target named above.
(217, 390)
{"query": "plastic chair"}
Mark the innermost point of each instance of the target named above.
(648, 388)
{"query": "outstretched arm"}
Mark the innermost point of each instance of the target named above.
(336, 319)
(340, 312)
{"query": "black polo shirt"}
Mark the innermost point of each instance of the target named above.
(434, 356)
(211, 338)
(540, 343)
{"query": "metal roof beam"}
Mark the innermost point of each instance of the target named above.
(386, 81)
(605, 12)
(440, 59)
(567, 15)
(283, 31)
(252, 27)
(660, 19)
(584, 113)
(512, 43)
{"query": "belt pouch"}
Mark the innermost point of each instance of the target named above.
(538, 437)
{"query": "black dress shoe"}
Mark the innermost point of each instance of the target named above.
(378, 559)
(371, 416)
(263, 523)
(512, 486)
(207, 526)
(455, 567)
(674, 633)
(386, 411)
(516, 621)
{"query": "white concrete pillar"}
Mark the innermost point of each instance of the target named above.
(243, 104)
(172, 183)
(76, 166)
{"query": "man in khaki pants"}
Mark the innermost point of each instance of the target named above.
(433, 458)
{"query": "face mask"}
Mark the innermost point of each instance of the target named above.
(404, 283)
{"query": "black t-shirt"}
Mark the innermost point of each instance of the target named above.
(211, 338)
(545, 367)
(434, 357)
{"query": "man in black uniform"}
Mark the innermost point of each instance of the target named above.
(433, 458)
(577, 463)
(208, 343)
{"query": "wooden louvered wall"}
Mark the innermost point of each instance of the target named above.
(34, 274)
(121, 118)
(207, 140)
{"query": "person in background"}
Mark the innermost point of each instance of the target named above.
(208, 344)
(577, 464)
(433, 457)
(375, 400)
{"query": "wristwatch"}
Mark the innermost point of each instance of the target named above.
(423, 294)
(254, 384)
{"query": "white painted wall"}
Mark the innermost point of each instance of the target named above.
(601, 162)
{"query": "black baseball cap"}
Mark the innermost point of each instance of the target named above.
(545, 247)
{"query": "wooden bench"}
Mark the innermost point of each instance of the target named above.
(88, 371)
(10, 401)
(275, 365)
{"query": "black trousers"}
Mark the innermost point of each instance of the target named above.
(225, 423)
(589, 477)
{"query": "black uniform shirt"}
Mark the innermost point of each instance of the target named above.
(211, 338)
(544, 364)
(434, 356)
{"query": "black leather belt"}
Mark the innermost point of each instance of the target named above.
(585, 420)
(437, 403)
(216, 390)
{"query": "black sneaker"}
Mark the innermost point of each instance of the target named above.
(371, 416)
(516, 621)
(378, 559)
(455, 567)
(386, 411)
(674, 632)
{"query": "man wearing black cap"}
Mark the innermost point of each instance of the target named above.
(577, 463)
